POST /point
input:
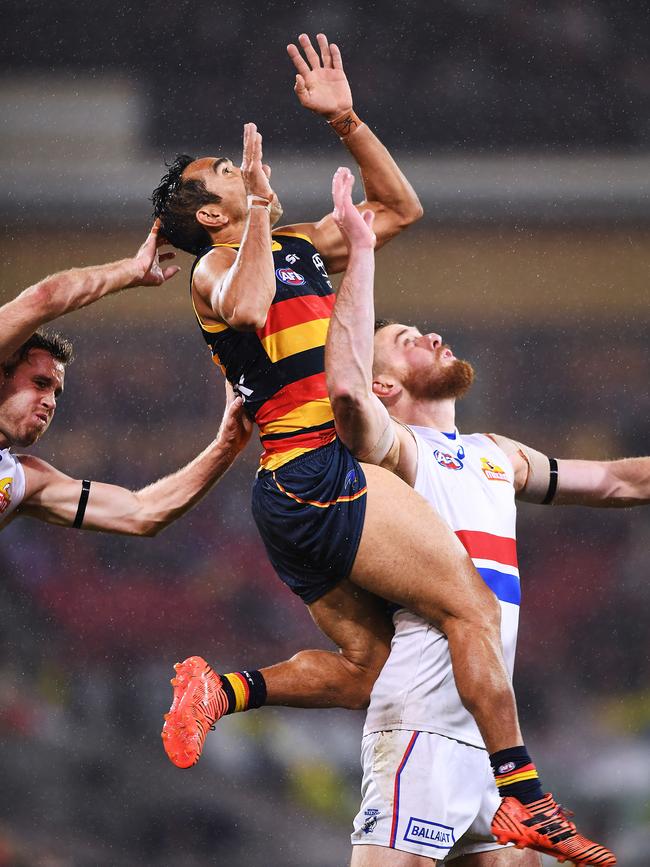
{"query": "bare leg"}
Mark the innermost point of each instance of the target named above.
(410, 556)
(358, 623)
(507, 857)
(382, 856)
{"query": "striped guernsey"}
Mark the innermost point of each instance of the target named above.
(279, 370)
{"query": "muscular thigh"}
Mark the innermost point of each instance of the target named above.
(509, 857)
(382, 856)
(409, 555)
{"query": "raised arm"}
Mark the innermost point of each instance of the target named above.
(69, 290)
(322, 86)
(362, 421)
(54, 497)
(238, 287)
(604, 484)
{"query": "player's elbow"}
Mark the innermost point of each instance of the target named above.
(404, 215)
(412, 213)
(146, 526)
(347, 401)
(49, 296)
(245, 317)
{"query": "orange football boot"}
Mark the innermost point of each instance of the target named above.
(199, 701)
(545, 827)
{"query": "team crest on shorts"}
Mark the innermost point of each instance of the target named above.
(370, 822)
(5, 494)
(289, 276)
(448, 461)
(493, 472)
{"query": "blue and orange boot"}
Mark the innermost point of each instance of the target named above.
(545, 827)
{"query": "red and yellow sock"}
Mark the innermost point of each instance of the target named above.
(515, 775)
(245, 690)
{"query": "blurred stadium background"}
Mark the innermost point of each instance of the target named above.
(524, 127)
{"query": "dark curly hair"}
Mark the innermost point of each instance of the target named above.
(382, 323)
(59, 347)
(175, 203)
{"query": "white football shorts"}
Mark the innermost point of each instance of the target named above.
(426, 794)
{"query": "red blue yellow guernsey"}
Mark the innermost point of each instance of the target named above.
(279, 370)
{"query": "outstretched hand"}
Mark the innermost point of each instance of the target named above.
(355, 227)
(321, 84)
(255, 173)
(148, 260)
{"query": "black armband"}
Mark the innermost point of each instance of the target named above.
(552, 482)
(83, 502)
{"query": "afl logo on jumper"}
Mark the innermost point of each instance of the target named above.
(289, 276)
(448, 461)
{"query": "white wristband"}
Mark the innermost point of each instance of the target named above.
(258, 202)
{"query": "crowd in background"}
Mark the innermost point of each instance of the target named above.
(91, 625)
(471, 74)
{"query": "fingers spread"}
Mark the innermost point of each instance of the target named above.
(300, 86)
(325, 54)
(298, 60)
(310, 52)
(335, 54)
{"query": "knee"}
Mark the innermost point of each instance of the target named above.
(362, 674)
(485, 613)
(481, 618)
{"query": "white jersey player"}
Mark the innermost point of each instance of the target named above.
(429, 790)
(12, 483)
(428, 787)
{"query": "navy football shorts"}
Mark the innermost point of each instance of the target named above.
(310, 515)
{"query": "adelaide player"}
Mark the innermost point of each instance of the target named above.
(337, 531)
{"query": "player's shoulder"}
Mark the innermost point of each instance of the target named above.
(298, 232)
(37, 471)
(213, 260)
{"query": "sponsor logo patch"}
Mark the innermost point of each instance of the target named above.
(505, 769)
(448, 461)
(320, 267)
(289, 276)
(350, 479)
(429, 834)
(371, 820)
(493, 472)
(5, 494)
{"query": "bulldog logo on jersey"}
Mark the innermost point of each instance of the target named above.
(493, 472)
(5, 494)
(289, 276)
(448, 461)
